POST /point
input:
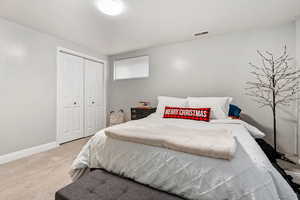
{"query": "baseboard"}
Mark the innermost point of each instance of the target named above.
(27, 152)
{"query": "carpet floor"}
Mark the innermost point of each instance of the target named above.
(39, 176)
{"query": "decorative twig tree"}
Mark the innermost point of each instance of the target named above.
(276, 83)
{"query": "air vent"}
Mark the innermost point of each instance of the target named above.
(201, 33)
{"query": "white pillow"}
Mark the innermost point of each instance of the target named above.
(169, 101)
(219, 105)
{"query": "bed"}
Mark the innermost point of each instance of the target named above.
(247, 176)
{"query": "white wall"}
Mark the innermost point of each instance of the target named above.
(28, 86)
(298, 65)
(298, 41)
(212, 66)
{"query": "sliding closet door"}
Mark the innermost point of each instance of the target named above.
(71, 102)
(94, 97)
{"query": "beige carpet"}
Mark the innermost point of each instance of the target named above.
(38, 177)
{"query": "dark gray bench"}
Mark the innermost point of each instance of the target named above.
(101, 185)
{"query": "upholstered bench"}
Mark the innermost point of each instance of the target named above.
(101, 185)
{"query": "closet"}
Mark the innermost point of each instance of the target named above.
(80, 97)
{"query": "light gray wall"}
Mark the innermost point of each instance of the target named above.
(211, 66)
(28, 86)
(298, 65)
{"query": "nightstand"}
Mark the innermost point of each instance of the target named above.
(139, 113)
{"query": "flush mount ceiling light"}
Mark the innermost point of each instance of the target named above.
(110, 7)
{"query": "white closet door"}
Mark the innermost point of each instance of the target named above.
(94, 97)
(71, 97)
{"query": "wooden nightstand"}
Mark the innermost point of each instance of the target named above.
(139, 113)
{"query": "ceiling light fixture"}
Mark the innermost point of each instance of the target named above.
(201, 33)
(110, 7)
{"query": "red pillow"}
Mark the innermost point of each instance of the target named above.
(200, 114)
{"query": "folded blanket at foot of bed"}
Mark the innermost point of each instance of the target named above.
(210, 142)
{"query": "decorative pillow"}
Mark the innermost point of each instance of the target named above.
(171, 102)
(219, 105)
(200, 114)
(234, 111)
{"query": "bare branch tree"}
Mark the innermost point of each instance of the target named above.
(276, 83)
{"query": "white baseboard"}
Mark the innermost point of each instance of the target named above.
(27, 152)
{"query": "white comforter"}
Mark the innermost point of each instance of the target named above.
(248, 176)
